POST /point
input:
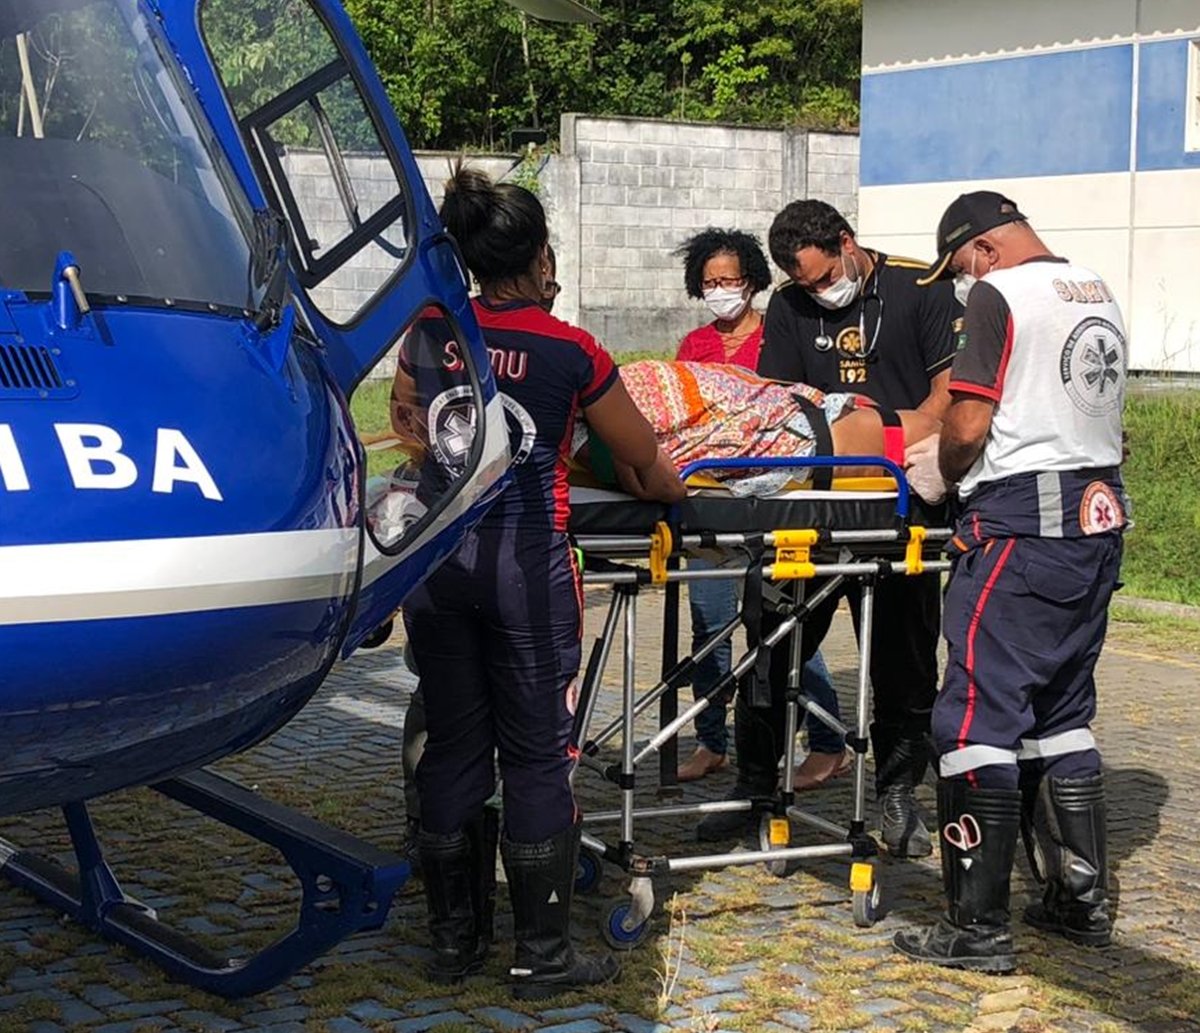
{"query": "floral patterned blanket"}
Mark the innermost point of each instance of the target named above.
(710, 411)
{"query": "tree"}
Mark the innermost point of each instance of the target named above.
(466, 72)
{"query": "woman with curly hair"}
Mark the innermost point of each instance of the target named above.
(725, 269)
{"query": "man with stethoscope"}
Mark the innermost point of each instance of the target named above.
(851, 319)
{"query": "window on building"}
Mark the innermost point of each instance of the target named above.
(1192, 135)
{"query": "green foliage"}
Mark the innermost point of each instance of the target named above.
(1164, 453)
(457, 73)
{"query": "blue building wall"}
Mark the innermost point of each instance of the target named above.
(1043, 115)
(1089, 138)
(1162, 107)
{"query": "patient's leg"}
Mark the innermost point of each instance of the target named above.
(861, 433)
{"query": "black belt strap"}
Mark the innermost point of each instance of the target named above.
(822, 476)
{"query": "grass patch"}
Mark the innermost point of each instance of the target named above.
(1161, 632)
(1160, 475)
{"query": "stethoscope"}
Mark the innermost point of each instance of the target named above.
(823, 342)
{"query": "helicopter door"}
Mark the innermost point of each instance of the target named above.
(327, 151)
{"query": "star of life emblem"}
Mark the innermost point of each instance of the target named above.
(1092, 367)
(1100, 510)
(452, 426)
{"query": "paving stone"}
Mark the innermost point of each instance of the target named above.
(100, 996)
(274, 1016)
(505, 1019)
(209, 1022)
(881, 1006)
(627, 1023)
(795, 1019)
(373, 1011)
(149, 1009)
(74, 1012)
(344, 1025)
(578, 1026)
(430, 1021)
(580, 1011)
(431, 1005)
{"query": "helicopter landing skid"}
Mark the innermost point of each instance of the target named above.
(348, 886)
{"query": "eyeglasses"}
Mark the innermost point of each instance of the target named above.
(723, 281)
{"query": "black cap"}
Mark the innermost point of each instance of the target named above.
(968, 216)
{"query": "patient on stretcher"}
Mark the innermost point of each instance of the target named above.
(710, 411)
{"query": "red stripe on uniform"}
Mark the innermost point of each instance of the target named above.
(976, 618)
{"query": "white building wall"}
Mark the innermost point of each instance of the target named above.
(1095, 92)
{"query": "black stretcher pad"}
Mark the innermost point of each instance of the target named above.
(599, 512)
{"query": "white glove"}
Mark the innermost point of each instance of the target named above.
(921, 467)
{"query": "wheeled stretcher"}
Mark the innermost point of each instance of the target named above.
(800, 546)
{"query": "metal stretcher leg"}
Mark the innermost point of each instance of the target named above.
(668, 707)
(864, 876)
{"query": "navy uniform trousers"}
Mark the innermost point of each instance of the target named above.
(496, 633)
(1024, 621)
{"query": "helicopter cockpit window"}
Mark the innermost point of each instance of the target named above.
(103, 153)
(417, 415)
(316, 143)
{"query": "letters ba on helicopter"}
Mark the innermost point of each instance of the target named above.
(95, 459)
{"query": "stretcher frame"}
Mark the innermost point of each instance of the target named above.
(800, 555)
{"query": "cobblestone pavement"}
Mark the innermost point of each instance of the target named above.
(731, 949)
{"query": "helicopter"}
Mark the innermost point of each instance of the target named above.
(187, 542)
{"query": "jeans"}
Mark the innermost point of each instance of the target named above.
(714, 604)
(817, 686)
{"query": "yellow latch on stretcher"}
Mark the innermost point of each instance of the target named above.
(661, 547)
(793, 554)
(914, 563)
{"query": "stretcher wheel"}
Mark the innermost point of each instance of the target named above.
(589, 870)
(775, 833)
(617, 936)
(864, 887)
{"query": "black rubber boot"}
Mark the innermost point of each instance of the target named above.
(975, 932)
(410, 846)
(900, 765)
(541, 883)
(1070, 822)
(450, 893)
(483, 834)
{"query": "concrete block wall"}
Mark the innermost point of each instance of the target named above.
(646, 186)
(620, 197)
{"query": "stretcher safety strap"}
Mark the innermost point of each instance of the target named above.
(1077, 740)
(893, 435)
(959, 762)
(757, 684)
(822, 476)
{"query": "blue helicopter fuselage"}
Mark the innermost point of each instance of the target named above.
(181, 559)
(184, 548)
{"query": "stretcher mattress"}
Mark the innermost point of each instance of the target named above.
(596, 511)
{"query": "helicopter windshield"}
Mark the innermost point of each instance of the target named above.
(103, 153)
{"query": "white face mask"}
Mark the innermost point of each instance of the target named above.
(726, 303)
(963, 283)
(841, 292)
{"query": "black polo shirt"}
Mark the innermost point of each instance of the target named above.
(908, 336)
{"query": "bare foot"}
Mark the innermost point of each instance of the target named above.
(819, 768)
(703, 762)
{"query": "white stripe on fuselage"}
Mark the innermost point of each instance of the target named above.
(151, 576)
